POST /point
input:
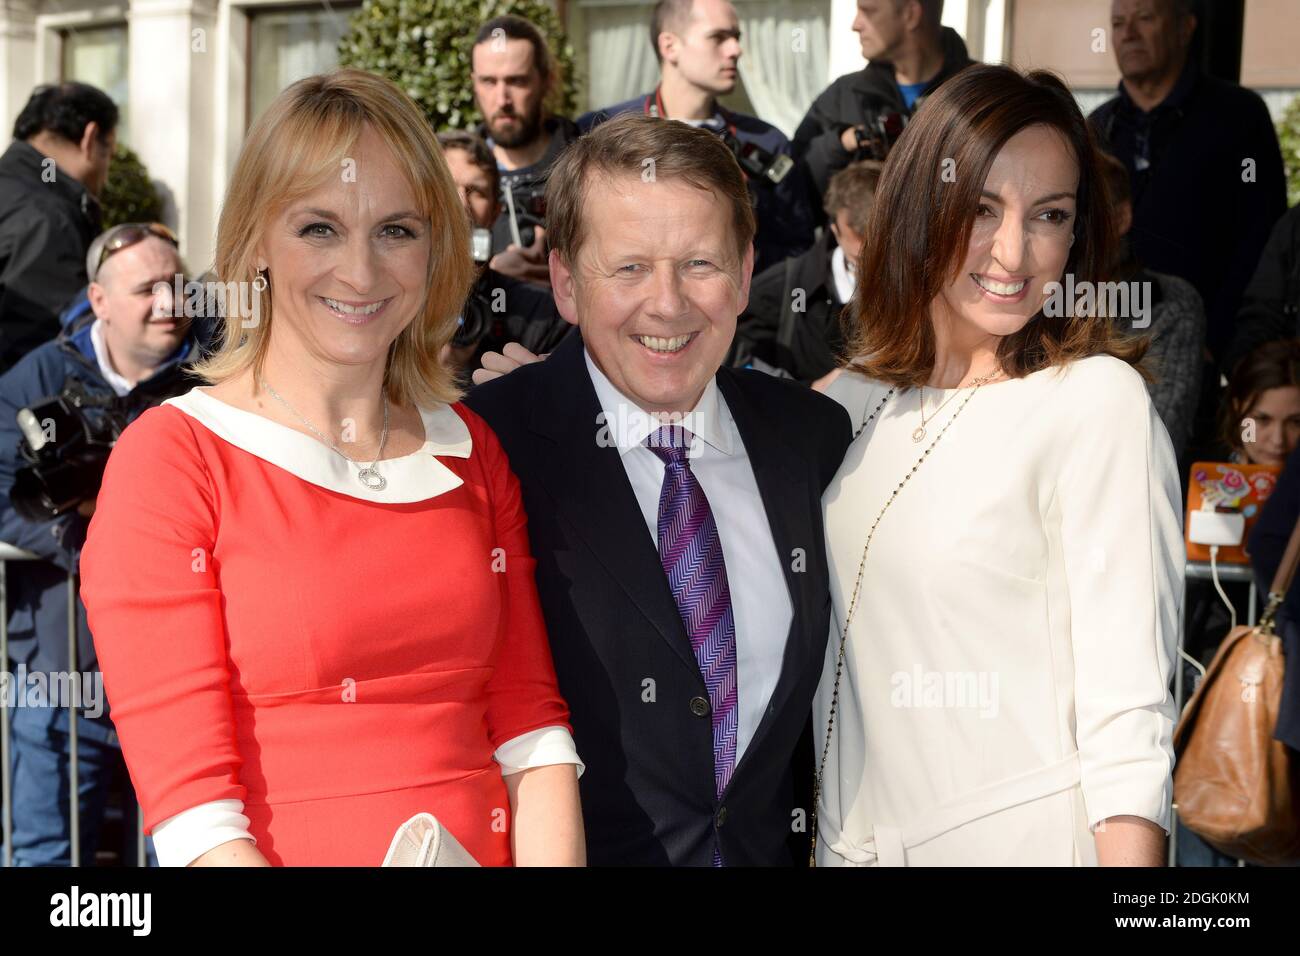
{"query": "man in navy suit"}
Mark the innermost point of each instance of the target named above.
(674, 509)
(697, 43)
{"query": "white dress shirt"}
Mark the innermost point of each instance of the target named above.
(760, 600)
(843, 274)
(116, 382)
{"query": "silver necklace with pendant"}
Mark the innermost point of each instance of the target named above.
(918, 434)
(368, 475)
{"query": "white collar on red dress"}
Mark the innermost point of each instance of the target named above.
(414, 477)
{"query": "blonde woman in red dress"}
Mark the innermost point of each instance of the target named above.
(309, 583)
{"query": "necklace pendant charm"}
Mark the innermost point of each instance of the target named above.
(919, 434)
(372, 479)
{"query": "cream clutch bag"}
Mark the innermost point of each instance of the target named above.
(423, 841)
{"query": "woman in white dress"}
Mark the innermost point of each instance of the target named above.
(1004, 534)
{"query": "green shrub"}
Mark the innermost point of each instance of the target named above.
(129, 195)
(424, 47)
(1288, 133)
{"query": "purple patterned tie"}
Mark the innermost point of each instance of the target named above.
(691, 553)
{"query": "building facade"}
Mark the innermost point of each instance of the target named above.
(190, 75)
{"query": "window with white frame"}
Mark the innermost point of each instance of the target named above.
(783, 66)
(289, 43)
(98, 55)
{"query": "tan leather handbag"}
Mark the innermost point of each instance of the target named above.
(1234, 785)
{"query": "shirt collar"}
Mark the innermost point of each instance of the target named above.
(116, 382)
(627, 426)
(843, 276)
(1177, 96)
(415, 477)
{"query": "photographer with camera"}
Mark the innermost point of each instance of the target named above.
(62, 407)
(500, 308)
(862, 114)
(794, 324)
(697, 43)
(513, 75)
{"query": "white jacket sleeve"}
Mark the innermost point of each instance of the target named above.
(1119, 502)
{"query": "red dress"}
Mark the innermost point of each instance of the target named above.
(338, 664)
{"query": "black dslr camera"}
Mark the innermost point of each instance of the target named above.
(525, 204)
(757, 161)
(476, 315)
(877, 136)
(66, 443)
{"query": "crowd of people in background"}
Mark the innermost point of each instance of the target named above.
(89, 315)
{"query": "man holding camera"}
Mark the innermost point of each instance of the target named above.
(61, 408)
(513, 75)
(500, 308)
(697, 43)
(861, 114)
(792, 326)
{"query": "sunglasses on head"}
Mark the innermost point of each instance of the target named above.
(128, 234)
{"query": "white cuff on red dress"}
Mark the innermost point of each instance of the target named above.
(183, 838)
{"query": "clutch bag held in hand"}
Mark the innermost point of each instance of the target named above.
(423, 841)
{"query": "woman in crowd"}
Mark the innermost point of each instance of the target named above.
(1260, 421)
(1004, 534)
(1259, 424)
(309, 583)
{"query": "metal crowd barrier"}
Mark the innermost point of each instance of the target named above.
(10, 553)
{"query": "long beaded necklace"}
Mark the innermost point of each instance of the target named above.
(857, 590)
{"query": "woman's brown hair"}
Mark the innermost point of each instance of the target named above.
(920, 228)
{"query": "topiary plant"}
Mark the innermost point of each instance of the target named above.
(1288, 134)
(129, 195)
(424, 47)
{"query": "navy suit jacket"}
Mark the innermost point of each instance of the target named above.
(623, 658)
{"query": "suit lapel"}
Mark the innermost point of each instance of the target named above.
(590, 487)
(782, 481)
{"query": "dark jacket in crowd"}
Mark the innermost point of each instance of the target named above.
(1267, 542)
(785, 217)
(853, 99)
(1270, 308)
(46, 226)
(774, 336)
(649, 794)
(1193, 215)
(526, 314)
(1175, 356)
(37, 590)
(528, 183)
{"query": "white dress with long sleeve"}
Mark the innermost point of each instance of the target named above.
(1006, 676)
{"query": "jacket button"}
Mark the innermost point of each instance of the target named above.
(721, 816)
(699, 707)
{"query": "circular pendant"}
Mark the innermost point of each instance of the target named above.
(372, 479)
(919, 434)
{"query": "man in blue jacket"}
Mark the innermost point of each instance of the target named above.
(697, 43)
(123, 354)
